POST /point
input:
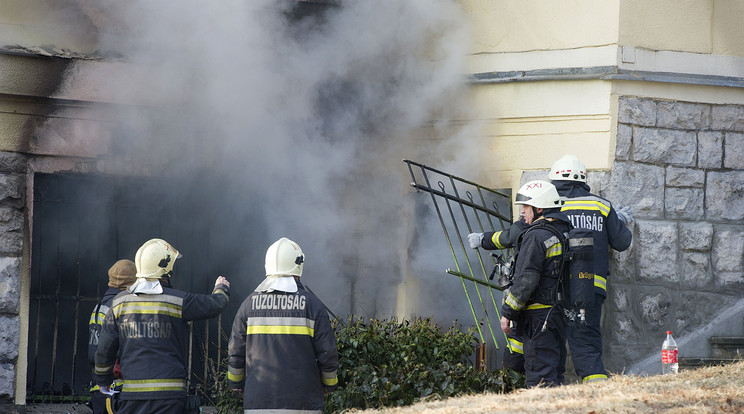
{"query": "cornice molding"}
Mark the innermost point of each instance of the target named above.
(610, 63)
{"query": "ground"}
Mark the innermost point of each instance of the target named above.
(718, 389)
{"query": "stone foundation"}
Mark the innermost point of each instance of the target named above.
(12, 209)
(680, 167)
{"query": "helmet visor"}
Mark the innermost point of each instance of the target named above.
(521, 198)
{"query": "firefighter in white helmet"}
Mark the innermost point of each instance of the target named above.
(282, 329)
(609, 227)
(147, 326)
(533, 295)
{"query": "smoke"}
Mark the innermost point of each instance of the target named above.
(303, 121)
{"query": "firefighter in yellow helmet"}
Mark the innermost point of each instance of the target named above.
(121, 275)
(282, 349)
(147, 326)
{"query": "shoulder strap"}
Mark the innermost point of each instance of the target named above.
(565, 256)
(95, 311)
(544, 224)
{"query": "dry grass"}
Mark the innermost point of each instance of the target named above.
(718, 389)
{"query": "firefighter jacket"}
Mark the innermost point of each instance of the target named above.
(150, 332)
(504, 239)
(96, 321)
(537, 267)
(282, 352)
(588, 211)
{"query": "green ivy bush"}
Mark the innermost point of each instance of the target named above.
(218, 394)
(388, 363)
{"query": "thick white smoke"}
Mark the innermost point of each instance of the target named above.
(306, 119)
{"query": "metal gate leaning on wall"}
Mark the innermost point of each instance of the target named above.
(81, 225)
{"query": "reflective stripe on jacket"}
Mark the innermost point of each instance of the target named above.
(151, 334)
(588, 211)
(96, 321)
(504, 239)
(537, 267)
(282, 352)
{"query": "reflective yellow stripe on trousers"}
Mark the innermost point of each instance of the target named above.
(235, 374)
(595, 378)
(154, 385)
(515, 346)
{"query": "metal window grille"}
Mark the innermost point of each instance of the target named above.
(464, 207)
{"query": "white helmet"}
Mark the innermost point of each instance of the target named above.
(538, 194)
(155, 259)
(569, 168)
(284, 257)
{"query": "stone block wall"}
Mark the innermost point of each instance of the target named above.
(680, 167)
(13, 169)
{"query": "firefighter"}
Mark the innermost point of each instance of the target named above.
(533, 298)
(147, 326)
(282, 350)
(513, 357)
(609, 226)
(121, 275)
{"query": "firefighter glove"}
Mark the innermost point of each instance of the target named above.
(625, 215)
(475, 240)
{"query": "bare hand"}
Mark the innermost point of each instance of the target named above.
(222, 280)
(505, 325)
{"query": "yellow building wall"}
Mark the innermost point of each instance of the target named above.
(711, 27)
(518, 26)
(681, 25)
(728, 31)
(529, 123)
(698, 26)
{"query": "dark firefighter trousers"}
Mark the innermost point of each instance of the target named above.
(167, 406)
(544, 352)
(98, 402)
(585, 343)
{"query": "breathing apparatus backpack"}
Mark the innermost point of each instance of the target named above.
(575, 287)
(577, 272)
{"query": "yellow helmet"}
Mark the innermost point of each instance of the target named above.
(155, 258)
